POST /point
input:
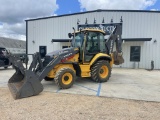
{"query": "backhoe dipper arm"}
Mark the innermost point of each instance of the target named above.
(115, 36)
(118, 39)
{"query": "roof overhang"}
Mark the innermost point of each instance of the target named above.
(136, 39)
(124, 39)
(61, 40)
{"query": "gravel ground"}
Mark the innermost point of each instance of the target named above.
(48, 105)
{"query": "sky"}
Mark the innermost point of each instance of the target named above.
(13, 13)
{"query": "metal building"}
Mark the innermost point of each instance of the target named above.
(141, 37)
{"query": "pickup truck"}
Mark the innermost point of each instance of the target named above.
(4, 58)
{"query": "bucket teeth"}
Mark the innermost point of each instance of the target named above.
(13, 89)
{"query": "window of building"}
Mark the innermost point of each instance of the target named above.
(135, 53)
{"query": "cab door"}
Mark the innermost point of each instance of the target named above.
(92, 46)
(95, 43)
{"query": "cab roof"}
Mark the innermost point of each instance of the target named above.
(92, 30)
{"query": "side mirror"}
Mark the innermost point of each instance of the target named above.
(70, 35)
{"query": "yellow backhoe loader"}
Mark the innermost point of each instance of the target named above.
(90, 55)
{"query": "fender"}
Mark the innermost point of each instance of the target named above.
(100, 56)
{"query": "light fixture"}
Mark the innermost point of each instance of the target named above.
(155, 41)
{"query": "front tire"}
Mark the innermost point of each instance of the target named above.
(65, 78)
(101, 71)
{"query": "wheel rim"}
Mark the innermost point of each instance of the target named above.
(67, 78)
(103, 71)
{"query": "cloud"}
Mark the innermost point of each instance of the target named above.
(115, 4)
(16, 31)
(14, 12)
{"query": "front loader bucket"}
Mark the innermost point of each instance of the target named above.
(25, 84)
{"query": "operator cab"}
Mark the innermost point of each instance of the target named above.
(90, 42)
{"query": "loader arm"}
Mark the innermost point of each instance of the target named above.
(27, 82)
(60, 58)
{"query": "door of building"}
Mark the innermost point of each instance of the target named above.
(42, 51)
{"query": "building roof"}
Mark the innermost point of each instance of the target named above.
(99, 10)
(12, 43)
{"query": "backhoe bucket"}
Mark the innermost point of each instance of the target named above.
(24, 85)
(118, 59)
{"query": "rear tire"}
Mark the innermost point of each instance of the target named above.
(101, 71)
(65, 78)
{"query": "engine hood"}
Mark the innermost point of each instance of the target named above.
(57, 52)
(63, 53)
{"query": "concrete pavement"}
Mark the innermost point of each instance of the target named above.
(135, 84)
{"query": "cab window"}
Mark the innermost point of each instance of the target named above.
(78, 40)
(102, 43)
(92, 45)
(95, 42)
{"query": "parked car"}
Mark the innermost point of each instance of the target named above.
(4, 58)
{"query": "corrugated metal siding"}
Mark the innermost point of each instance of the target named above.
(135, 25)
